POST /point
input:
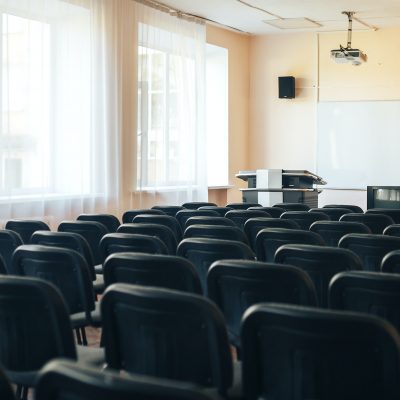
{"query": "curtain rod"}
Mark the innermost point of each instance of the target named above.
(187, 16)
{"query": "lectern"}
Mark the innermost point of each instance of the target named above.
(270, 186)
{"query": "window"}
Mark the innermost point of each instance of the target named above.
(45, 104)
(170, 109)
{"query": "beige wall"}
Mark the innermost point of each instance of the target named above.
(283, 132)
(238, 86)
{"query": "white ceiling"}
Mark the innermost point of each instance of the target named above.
(328, 13)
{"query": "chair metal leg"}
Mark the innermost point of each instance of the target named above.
(78, 335)
(83, 334)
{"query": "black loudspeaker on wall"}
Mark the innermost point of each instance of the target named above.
(286, 87)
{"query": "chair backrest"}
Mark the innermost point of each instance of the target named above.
(216, 232)
(67, 240)
(235, 285)
(25, 227)
(274, 212)
(292, 352)
(305, 218)
(374, 293)
(292, 206)
(391, 262)
(168, 210)
(352, 207)
(392, 230)
(61, 379)
(202, 252)
(370, 248)
(171, 272)
(34, 324)
(269, 240)
(207, 220)
(157, 230)
(322, 263)
(9, 241)
(333, 213)
(254, 225)
(183, 215)
(92, 231)
(6, 391)
(111, 222)
(195, 205)
(130, 242)
(166, 333)
(166, 220)
(376, 222)
(220, 210)
(128, 216)
(239, 217)
(393, 213)
(242, 206)
(333, 231)
(64, 268)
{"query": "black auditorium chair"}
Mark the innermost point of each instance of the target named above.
(183, 215)
(26, 227)
(333, 213)
(216, 232)
(294, 352)
(202, 252)
(130, 242)
(63, 379)
(92, 231)
(6, 391)
(376, 222)
(166, 220)
(274, 212)
(160, 231)
(392, 230)
(292, 206)
(177, 335)
(393, 213)
(367, 292)
(36, 328)
(110, 221)
(254, 225)
(9, 241)
(242, 206)
(170, 272)
(353, 208)
(269, 240)
(195, 205)
(235, 285)
(321, 263)
(69, 272)
(305, 218)
(73, 241)
(333, 231)
(220, 210)
(169, 210)
(208, 220)
(128, 216)
(391, 262)
(239, 217)
(370, 248)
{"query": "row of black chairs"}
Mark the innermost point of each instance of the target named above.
(182, 337)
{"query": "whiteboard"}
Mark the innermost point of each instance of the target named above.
(358, 143)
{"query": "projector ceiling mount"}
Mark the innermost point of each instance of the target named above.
(348, 55)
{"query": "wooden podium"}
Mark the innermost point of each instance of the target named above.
(270, 186)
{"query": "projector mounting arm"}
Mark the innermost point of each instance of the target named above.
(349, 29)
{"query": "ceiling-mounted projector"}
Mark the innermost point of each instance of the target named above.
(347, 55)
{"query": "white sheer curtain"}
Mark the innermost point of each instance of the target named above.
(59, 147)
(171, 151)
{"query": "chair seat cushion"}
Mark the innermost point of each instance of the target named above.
(79, 320)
